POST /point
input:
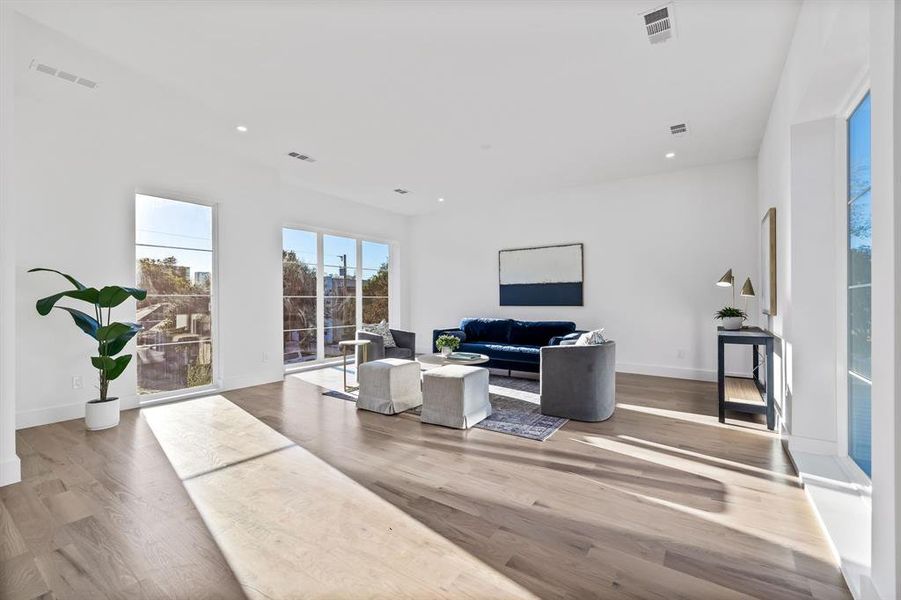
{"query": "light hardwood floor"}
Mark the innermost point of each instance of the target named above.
(661, 501)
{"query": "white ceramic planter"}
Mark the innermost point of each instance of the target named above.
(732, 323)
(445, 351)
(101, 415)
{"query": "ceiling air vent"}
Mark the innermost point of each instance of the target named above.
(300, 156)
(679, 129)
(64, 75)
(402, 191)
(659, 24)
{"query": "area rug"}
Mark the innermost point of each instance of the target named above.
(514, 409)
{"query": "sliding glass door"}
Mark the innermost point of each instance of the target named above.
(332, 285)
(860, 250)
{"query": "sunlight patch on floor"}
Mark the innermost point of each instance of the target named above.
(723, 462)
(767, 526)
(291, 526)
(751, 428)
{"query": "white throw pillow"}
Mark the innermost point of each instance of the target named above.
(382, 330)
(592, 338)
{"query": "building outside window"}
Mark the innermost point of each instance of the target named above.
(174, 251)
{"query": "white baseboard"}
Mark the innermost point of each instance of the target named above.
(676, 372)
(63, 412)
(75, 410)
(49, 414)
(10, 471)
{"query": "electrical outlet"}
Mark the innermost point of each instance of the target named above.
(680, 353)
(265, 357)
(77, 383)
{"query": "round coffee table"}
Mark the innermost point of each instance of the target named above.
(440, 360)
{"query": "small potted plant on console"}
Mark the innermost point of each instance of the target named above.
(731, 317)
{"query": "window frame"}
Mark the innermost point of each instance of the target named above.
(216, 381)
(843, 402)
(393, 295)
(317, 297)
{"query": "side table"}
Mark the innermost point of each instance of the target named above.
(756, 337)
(363, 345)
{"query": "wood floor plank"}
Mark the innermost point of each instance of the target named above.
(20, 579)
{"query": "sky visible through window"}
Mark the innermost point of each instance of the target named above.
(182, 228)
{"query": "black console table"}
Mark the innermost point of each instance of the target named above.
(756, 337)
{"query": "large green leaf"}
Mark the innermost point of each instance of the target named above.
(86, 323)
(103, 363)
(111, 367)
(71, 279)
(114, 345)
(45, 305)
(121, 363)
(114, 295)
(112, 331)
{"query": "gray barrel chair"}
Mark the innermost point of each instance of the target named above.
(579, 382)
(405, 340)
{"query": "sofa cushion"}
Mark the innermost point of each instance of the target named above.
(538, 333)
(530, 354)
(487, 330)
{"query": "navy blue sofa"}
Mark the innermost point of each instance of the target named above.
(510, 344)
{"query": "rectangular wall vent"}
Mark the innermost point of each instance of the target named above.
(64, 75)
(659, 24)
(300, 156)
(678, 129)
(402, 191)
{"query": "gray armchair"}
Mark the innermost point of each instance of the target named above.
(405, 340)
(579, 382)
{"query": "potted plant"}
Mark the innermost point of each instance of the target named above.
(111, 337)
(447, 344)
(731, 317)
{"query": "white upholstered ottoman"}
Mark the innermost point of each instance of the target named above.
(455, 396)
(389, 386)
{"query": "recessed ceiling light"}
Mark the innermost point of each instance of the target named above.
(440, 199)
(671, 155)
(241, 128)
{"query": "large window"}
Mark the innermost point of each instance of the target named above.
(174, 250)
(299, 261)
(375, 282)
(860, 250)
(339, 286)
(332, 285)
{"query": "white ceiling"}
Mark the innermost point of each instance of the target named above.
(461, 100)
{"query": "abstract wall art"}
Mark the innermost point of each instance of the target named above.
(542, 276)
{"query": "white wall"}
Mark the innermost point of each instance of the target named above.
(838, 49)
(654, 248)
(9, 462)
(814, 253)
(80, 155)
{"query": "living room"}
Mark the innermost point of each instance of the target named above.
(627, 218)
